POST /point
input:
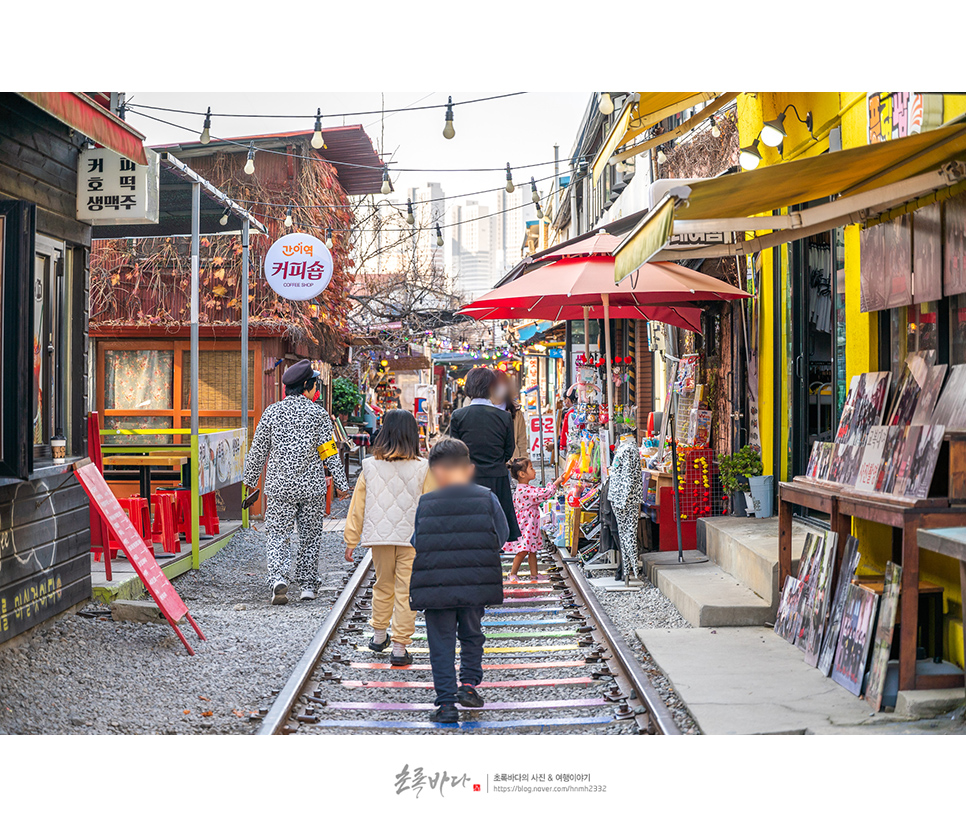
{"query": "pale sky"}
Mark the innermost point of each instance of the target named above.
(520, 130)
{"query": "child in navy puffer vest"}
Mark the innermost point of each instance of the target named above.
(459, 532)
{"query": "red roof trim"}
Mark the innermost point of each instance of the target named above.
(86, 116)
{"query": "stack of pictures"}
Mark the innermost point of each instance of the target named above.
(804, 604)
(896, 456)
(850, 561)
(883, 636)
(855, 637)
(840, 462)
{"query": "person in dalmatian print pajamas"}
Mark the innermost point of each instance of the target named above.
(288, 438)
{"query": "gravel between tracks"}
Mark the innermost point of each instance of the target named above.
(78, 675)
(649, 608)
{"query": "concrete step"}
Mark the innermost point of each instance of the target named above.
(706, 595)
(747, 549)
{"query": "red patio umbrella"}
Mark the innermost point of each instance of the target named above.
(686, 317)
(582, 276)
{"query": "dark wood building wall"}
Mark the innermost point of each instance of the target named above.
(44, 521)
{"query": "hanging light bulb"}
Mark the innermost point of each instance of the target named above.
(715, 130)
(449, 131)
(439, 236)
(386, 182)
(288, 217)
(750, 157)
(606, 104)
(328, 239)
(539, 212)
(317, 140)
(206, 130)
(250, 162)
(223, 220)
(410, 217)
(661, 156)
(534, 194)
(509, 179)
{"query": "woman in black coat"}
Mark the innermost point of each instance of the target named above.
(488, 432)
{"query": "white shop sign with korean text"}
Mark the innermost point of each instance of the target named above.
(298, 267)
(113, 190)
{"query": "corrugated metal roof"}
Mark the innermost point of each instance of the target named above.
(348, 148)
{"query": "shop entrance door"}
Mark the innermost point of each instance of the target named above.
(816, 318)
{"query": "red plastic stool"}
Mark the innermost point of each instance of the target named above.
(209, 514)
(140, 515)
(163, 529)
(181, 496)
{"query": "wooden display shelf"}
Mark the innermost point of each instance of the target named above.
(906, 519)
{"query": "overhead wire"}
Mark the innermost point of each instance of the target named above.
(410, 108)
(245, 145)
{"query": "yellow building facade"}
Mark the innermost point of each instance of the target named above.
(838, 120)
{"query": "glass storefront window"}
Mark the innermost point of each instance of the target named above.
(914, 328)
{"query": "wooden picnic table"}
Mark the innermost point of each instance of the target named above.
(144, 463)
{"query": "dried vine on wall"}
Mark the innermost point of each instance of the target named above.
(146, 281)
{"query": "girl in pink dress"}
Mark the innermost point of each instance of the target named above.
(526, 502)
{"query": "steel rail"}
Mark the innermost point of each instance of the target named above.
(278, 716)
(660, 716)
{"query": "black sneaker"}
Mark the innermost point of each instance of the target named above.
(469, 697)
(447, 714)
(380, 647)
(403, 659)
(279, 593)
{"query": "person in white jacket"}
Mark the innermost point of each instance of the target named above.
(381, 516)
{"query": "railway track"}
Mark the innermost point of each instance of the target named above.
(553, 662)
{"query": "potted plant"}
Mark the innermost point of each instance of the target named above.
(728, 473)
(736, 472)
(345, 397)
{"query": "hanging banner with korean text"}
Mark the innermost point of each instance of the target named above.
(113, 190)
(221, 459)
(298, 267)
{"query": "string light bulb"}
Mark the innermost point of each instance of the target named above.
(386, 182)
(509, 180)
(205, 137)
(715, 130)
(288, 217)
(439, 236)
(410, 217)
(606, 104)
(317, 140)
(661, 156)
(223, 220)
(250, 162)
(534, 194)
(449, 131)
(328, 239)
(750, 157)
(539, 212)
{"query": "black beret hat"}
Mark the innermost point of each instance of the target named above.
(299, 372)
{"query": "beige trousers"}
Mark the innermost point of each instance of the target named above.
(390, 594)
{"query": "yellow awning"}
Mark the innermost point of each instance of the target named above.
(815, 178)
(638, 115)
(644, 241)
(838, 175)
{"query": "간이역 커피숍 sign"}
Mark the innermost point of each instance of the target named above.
(112, 190)
(221, 459)
(298, 267)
